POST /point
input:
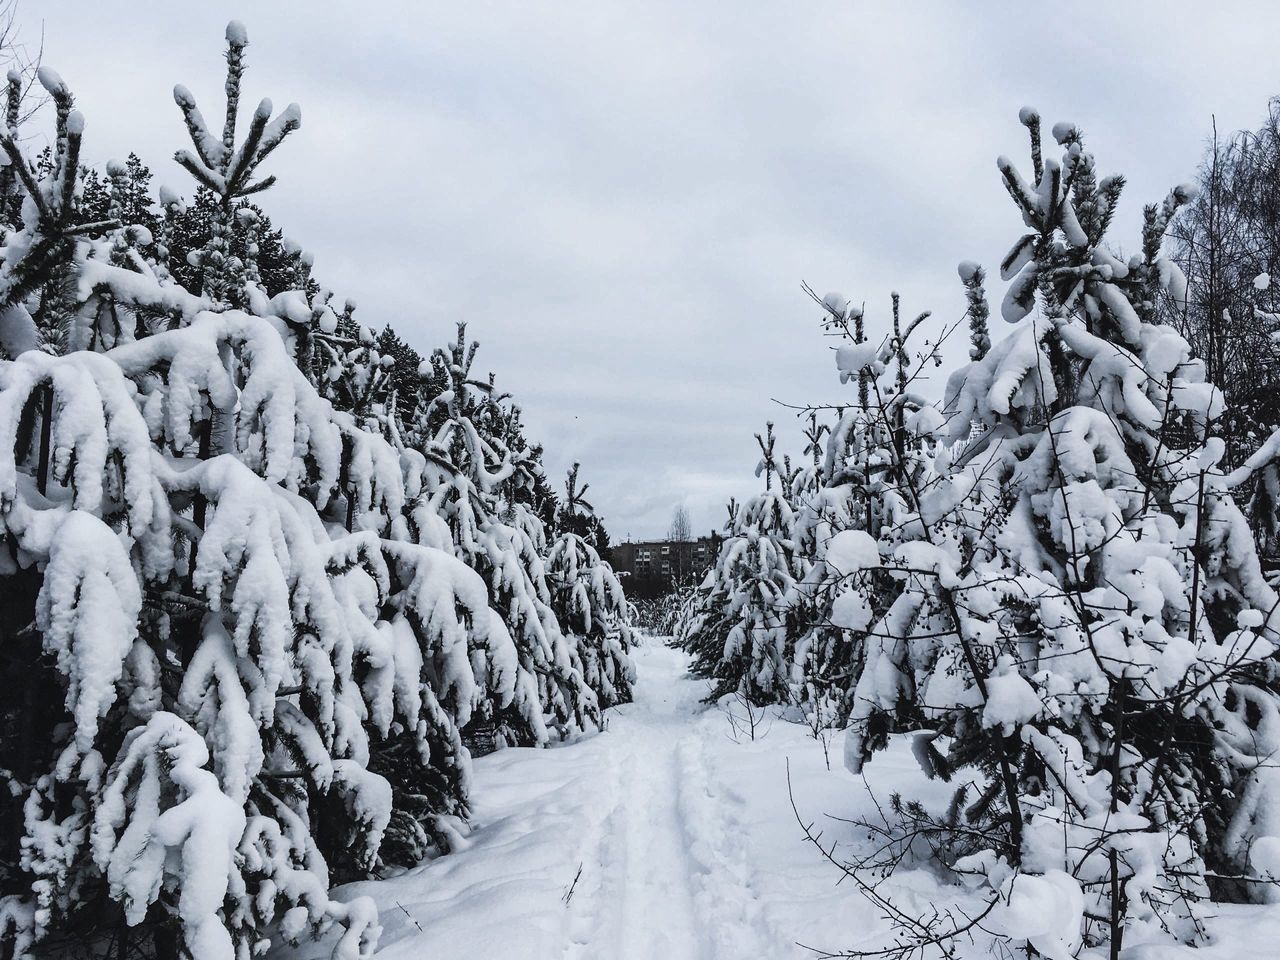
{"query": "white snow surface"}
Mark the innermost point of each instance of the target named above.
(667, 837)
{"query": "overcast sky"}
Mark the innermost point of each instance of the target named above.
(622, 199)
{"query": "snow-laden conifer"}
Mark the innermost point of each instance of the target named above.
(589, 602)
(466, 503)
(1078, 618)
(737, 631)
(855, 503)
(247, 642)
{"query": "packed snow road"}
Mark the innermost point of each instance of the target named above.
(670, 836)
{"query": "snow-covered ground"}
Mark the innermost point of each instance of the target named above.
(670, 836)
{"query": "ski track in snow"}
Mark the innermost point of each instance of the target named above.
(655, 902)
(673, 882)
(622, 846)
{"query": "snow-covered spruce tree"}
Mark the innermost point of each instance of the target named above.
(696, 628)
(403, 371)
(1080, 615)
(465, 502)
(227, 170)
(737, 633)
(854, 502)
(238, 672)
(589, 602)
(666, 615)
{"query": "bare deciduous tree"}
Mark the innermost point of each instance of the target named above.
(1227, 242)
(681, 529)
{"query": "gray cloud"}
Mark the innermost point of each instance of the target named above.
(622, 199)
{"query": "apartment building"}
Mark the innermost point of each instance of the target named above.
(651, 567)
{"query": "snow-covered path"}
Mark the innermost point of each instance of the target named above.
(652, 873)
(624, 845)
(667, 837)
